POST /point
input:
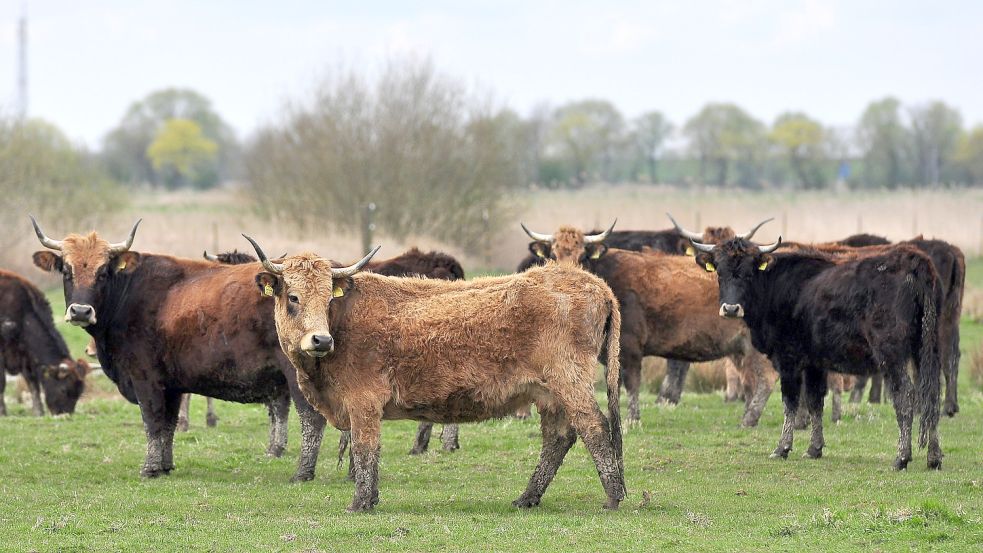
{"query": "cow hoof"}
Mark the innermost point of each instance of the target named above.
(901, 464)
(418, 450)
(153, 473)
(526, 502)
(275, 452)
(749, 422)
(182, 425)
(779, 454)
(452, 447)
(950, 410)
(813, 453)
(302, 477)
(934, 464)
(612, 504)
(361, 506)
(211, 421)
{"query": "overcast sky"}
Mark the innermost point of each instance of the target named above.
(90, 59)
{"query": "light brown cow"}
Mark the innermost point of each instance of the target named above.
(369, 347)
(669, 308)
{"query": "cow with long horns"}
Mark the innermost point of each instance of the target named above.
(165, 326)
(368, 348)
(810, 311)
(668, 308)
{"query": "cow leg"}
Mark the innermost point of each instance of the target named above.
(903, 396)
(279, 409)
(755, 368)
(836, 399)
(3, 387)
(734, 382)
(857, 393)
(366, 433)
(876, 384)
(211, 419)
(311, 433)
(673, 383)
(523, 413)
(950, 369)
(184, 416)
(802, 413)
(592, 427)
(34, 386)
(172, 405)
(791, 390)
(422, 440)
(448, 437)
(558, 437)
(631, 376)
(816, 385)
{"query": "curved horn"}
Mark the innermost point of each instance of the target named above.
(749, 234)
(209, 256)
(686, 233)
(702, 247)
(45, 241)
(124, 246)
(595, 238)
(275, 268)
(537, 236)
(771, 247)
(342, 272)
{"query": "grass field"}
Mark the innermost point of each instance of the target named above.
(697, 483)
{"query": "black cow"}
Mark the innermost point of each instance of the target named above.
(31, 346)
(810, 312)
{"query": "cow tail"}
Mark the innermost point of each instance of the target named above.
(612, 373)
(342, 446)
(929, 358)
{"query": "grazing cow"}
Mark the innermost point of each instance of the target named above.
(166, 326)
(811, 311)
(668, 309)
(412, 262)
(369, 348)
(31, 346)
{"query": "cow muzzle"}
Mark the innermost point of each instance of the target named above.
(731, 310)
(80, 314)
(317, 345)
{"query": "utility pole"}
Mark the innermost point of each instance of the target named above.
(22, 65)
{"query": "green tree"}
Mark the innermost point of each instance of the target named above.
(969, 154)
(125, 148)
(935, 132)
(727, 137)
(181, 153)
(802, 141)
(883, 138)
(586, 134)
(649, 133)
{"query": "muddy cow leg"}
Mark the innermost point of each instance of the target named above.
(950, 369)
(836, 399)
(158, 409)
(34, 385)
(279, 409)
(903, 397)
(673, 383)
(791, 392)
(448, 437)
(816, 384)
(592, 427)
(802, 414)
(558, 437)
(211, 419)
(172, 405)
(311, 433)
(422, 440)
(857, 393)
(755, 367)
(876, 385)
(3, 387)
(366, 430)
(631, 375)
(184, 413)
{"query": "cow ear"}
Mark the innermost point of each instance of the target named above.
(595, 251)
(540, 249)
(765, 261)
(705, 261)
(47, 261)
(126, 262)
(340, 287)
(268, 283)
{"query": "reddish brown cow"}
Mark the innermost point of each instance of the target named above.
(31, 347)
(368, 348)
(669, 309)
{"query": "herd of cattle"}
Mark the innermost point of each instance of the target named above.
(410, 338)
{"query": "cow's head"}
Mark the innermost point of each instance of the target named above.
(87, 264)
(568, 244)
(63, 384)
(737, 262)
(303, 287)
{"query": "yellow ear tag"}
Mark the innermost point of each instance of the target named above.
(763, 266)
(596, 254)
(267, 290)
(337, 292)
(710, 267)
(122, 265)
(690, 251)
(539, 253)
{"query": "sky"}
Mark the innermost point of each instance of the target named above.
(88, 61)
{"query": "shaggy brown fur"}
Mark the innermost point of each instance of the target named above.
(461, 351)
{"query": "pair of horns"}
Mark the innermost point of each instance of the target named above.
(336, 272)
(50, 243)
(696, 239)
(588, 238)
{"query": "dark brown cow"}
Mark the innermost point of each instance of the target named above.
(811, 311)
(166, 326)
(31, 347)
(369, 347)
(668, 307)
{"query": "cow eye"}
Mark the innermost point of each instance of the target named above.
(293, 298)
